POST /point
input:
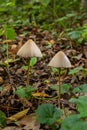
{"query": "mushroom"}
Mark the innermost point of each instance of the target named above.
(28, 50)
(60, 60)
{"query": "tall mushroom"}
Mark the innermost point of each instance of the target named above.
(28, 50)
(60, 60)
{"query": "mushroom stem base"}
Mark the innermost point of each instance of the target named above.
(28, 78)
(59, 88)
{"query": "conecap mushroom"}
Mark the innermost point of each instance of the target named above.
(60, 60)
(28, 50)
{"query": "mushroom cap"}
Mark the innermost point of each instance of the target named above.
(29, 49)
(60, 60)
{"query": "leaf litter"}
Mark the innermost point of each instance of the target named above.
(41, 77)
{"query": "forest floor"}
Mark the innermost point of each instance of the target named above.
(42, 76)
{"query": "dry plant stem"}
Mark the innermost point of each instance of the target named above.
(59, 89)
(9, 74)
(28, 78)
(7, 51)
(10, 80)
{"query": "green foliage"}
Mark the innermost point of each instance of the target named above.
(74, 35)
(74, 122)
(1, 88)
(79, 35)
(65, 88)
(81, 125)
(75, 70)
(56, 71)
(68, 17)
(25, 67)
(1, 31)
(7, 62)
(81, 105)
(9, 32)
(25, 92)
(33, 61)
(48, 114)
(5, 47)
(44, 2)
(80, 89)
(79, 120)
(2, 119)
(46, 13)
(68, 122)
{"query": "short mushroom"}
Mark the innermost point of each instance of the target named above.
(60, 60)
(28, 50)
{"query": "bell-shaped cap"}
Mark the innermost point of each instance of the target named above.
(60, 60)
(29, 49)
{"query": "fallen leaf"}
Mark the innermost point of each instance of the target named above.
(11, 128)
(6, 89)
(1, 80)
(18, 115)
(79, 56)
(85, 51)
(39, 94)
(51, 41)
(7, 41)
(14, 49)
(30, 122)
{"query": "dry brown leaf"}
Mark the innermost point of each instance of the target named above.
(39, 94)
(7, 41)
(51, 41)
(20, 43)
(85, 51)
(14, 49)
(79, 56)
(11, 128)
(18, 115)
(1, 80)
(30, 122)
(25, 102)
(6, 89)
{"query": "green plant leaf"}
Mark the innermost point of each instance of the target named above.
(1, 32)
(84, 35)
(29, 90)
(81, 105)
(75, 70)
(9, 33)
(54, 87)
(5, 47)
(77, 90)
(33, 61)
(81, 125)
(20, 92)
(45, 2)
(48, 114)
(1, 88)
(65, 88)
(75, 34)
(25, 67)
(2, 119)
(25, 92)
(70, 121)
(55, 70)
(81, 89)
